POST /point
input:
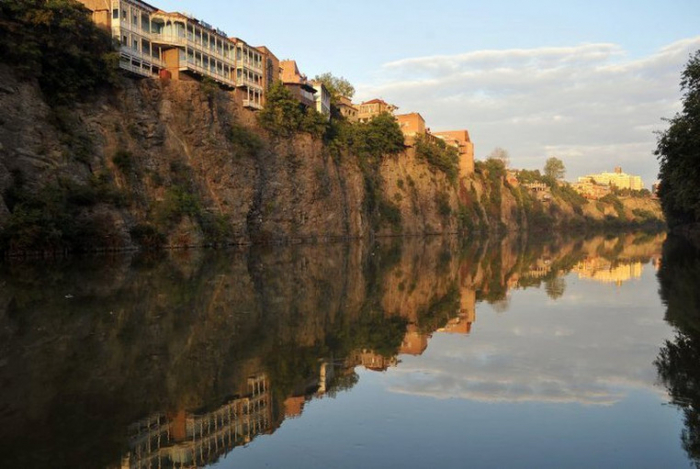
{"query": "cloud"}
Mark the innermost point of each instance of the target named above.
(589, 104)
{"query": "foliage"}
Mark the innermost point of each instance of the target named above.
(244, 138)
(678, 150)
(566, 193)
(613, 200)
(48, 219)
(379, 137)
(526, 176)
(439, 155)
(284, 116)
(554, 168)
(337, 86)
(56, 41)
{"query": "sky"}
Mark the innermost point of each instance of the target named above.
(588, 82)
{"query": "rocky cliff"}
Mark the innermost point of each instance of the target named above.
(184, 164)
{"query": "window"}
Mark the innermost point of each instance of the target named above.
(135, 44)
(115, 14)
(134, 18)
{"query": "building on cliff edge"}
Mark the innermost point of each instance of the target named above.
(157, 43)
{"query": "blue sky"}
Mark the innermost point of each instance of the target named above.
(585, 81)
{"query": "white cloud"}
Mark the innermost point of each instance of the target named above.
(589, 104)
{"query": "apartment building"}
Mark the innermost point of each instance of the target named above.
(370, 109)
(129, 23)
(271, 67)
(460, 139)
(153, 41)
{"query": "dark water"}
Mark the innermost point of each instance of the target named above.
(421, 353)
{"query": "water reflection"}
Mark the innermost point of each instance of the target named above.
(678, 362)
(173, 361)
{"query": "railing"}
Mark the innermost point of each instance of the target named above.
(252, 104)
(126, 50)
(207, 72)
(135, 69)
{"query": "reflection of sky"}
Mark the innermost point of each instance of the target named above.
(546, 384)
(590, 346)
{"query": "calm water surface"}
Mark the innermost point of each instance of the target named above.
(415, 353)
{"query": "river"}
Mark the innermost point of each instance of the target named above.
(431, 352)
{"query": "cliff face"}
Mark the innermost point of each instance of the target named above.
(182, 163)
(191, 161)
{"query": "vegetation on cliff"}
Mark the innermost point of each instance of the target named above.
(47, 39)
(678, 151)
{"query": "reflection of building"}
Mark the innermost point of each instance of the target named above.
(188, 440)
(373, 361)
(602, 270)
(414, 342)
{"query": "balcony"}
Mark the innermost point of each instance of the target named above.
(208, 73)
(249, 103)
(138, 55)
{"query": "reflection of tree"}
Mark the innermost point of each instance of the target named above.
(555, 287)
(678, 363)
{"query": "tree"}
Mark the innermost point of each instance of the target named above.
(678, 151)
(501, 154)
(337, 86)
(283, 115)
(554, 168)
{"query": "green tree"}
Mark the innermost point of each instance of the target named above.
(337, 86)
(284, 115)
(554, 168)
(678, 151)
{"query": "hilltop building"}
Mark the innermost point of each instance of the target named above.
(411, 124)
(323, 99)
(460, 139)
(616, 179)
(370, 109)
(297, 83)
(348, 109)
(178, 46)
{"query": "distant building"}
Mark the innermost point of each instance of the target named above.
(616, 179)
(371, 109)
(461, 140)
(590, 189)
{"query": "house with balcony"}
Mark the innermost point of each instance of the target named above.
(271, 68)
(191, 48)
(249, 78)
(297, 83)
(153, 41)
(129, 23)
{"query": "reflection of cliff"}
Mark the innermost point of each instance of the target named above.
(88, 348)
